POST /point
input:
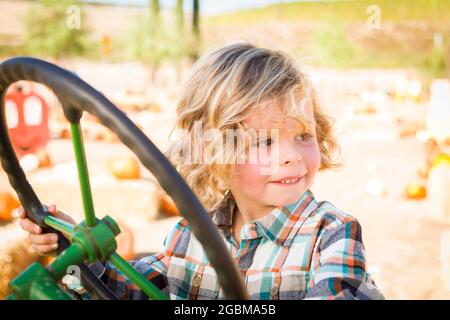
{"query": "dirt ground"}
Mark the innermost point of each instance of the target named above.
(402, 239)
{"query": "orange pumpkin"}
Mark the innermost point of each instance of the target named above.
(8, 204)
(64, 133)
(167, 205)
(125, 242)
(44, 158)
(442, 159)
(124, 167)
(415, 191)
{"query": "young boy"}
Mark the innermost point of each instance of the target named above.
(286, 244)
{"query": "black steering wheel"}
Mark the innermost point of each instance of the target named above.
(76, 96)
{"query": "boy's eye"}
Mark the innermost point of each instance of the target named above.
(304, 136)
(264, 143)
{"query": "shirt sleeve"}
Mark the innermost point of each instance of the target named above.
(339, 266)
(153, 267)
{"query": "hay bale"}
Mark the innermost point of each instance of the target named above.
(16, 255)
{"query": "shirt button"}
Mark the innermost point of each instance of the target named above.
(197, 281)
(274, 290)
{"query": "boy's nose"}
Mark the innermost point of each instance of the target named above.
(289, 154)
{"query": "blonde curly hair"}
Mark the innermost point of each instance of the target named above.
(224, 87)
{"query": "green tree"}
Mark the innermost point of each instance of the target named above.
(153, 41)
(180, 46)
(179, 15)
(148, 40)
(195, 50)
(154, 15)
(55, 28)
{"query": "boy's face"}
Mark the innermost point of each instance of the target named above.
(287, 165)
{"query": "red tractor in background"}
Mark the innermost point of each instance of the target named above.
(27, 116)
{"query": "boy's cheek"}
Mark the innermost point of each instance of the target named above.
(258, 162)
(312, 158)
(249, 175)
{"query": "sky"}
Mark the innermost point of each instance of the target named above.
(207, 7)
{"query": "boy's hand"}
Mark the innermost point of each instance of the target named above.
(42, 243)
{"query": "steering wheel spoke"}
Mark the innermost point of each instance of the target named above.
(83, 174)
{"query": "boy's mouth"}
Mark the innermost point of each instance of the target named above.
(288, 180)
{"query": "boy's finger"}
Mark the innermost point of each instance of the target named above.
(40, 239)
(61, 215)
(55, 212)
(22, 213)
(44, 248)
(29, 226)
(52, 210)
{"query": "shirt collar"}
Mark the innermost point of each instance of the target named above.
(280, 225)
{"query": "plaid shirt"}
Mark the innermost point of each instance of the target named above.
(307, 250)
